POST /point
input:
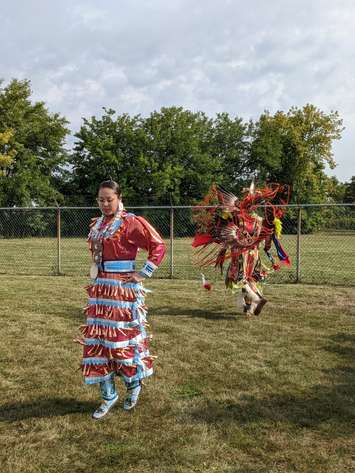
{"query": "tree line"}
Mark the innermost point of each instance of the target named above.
(171, 156)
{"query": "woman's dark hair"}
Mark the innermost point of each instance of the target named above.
(110, 184)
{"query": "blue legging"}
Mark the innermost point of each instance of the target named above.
(108, 388)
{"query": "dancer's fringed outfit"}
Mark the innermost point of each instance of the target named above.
(233, 229)
(114, 337)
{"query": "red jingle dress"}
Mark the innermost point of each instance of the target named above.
(114, 337)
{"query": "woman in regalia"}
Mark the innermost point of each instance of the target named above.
(114, 338)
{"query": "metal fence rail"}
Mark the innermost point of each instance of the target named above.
(320, 240)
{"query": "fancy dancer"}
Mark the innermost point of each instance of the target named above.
(232, 229)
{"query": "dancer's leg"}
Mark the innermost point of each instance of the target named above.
(133, 391)
(109, 398)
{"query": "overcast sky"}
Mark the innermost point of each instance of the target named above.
(136, 56)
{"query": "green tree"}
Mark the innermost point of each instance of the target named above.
(349, 194)
(178, 155)
(229, 145)
(108, 147)
(335, 190)
(38, 138)
(294, 148)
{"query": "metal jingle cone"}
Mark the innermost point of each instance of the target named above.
(94, 271)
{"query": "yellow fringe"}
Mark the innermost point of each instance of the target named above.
(278, 227)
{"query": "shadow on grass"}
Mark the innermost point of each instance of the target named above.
(201, 313)
(327, 407)
(77, 315)
(343, 337)
(44, 408)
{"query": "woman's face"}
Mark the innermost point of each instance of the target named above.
(108, 201)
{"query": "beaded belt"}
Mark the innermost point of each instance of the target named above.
(120, 266)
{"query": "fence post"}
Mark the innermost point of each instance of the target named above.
(298, 250)
(171, 275)
(59, 270)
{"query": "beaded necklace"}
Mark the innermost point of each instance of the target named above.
(100, 230)
(96, 236)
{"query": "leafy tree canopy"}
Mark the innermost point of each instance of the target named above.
(31, 147)
(294, 148)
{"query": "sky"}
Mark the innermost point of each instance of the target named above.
(136, 56)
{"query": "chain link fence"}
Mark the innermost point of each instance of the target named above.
(52, 241)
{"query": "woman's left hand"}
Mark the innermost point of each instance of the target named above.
(135, 277)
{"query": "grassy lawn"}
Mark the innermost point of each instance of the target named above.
(274, 394)
(326, 258)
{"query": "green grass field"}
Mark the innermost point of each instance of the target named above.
(326, 258)
(274, 394)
